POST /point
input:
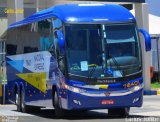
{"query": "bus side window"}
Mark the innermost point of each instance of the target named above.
(45, 35)
(59, 55)
(11, 47)
(56, 44)
(57, 25)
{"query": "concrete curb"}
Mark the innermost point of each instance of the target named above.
(152, 92)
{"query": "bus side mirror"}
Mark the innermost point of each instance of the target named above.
(61, 41)
(147, 39)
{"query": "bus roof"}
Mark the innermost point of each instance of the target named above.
(81, 13)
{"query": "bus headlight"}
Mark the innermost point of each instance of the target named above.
(74, 89)
(136, 88)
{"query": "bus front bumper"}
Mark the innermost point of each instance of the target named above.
(85, 101)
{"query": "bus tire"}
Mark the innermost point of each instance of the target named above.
(120, 112)
(59, 112)
(23, 105)
(18, 102)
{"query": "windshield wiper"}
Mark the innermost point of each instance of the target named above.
(92, 71)
(117, 65)
(114, 60)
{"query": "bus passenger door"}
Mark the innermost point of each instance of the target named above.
(46, 40)
(56, 59)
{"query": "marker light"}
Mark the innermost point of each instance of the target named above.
(71, 19)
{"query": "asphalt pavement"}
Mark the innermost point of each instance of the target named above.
(149, 112)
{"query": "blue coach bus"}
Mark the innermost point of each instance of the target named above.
(76, 57)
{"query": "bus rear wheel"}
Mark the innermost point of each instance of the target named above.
(120, 112)
(23, 105)
(59, 112)
(18, 102)
(25, 108)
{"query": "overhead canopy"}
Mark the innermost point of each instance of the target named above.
(133, 1)
(154, 24)
(154, 16)
(84, 13)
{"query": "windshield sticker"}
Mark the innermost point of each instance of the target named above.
(84, 66)
(102, 75)
(117, 74)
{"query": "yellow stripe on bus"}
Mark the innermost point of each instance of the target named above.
(103, 86)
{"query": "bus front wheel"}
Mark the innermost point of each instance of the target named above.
(59, 112)
(121, 112)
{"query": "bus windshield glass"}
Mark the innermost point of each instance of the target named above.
(96, 50)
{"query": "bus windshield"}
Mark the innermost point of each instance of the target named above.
(95, 49)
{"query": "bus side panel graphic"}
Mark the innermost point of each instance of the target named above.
(37, 71)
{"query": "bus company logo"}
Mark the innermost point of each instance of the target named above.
(13, 11)
(107, 94)
(128, 85)
(107, 102)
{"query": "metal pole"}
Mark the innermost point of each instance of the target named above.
(158, 58)
(3, 82)
(37, 5)
(3, 73)
(4, 93)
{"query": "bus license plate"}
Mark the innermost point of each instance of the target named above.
(107, 102)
